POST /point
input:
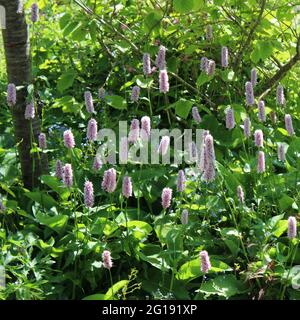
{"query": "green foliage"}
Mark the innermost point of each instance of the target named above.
(52, 244)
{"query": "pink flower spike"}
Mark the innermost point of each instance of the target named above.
(181, 181)
(145, 128)
(134, 132)
(196, 115)
(259, 138)
(127, 187)
(292, 227)
(11, 94)
(289, 124)
(261, 167)
(205, 262)
(161, 58)
(88, 194)
(166, 197)
(163, 81)
(68, 175)
(247, 127)
(42, 141)
(92, 130)
(29, 111)
(106, 259)
(89, 104)
(59, 169)
(69, 139)
(230, 121)
(164, 145)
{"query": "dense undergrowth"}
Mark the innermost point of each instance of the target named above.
(52, 241)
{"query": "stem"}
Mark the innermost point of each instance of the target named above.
(167, 111)
(172, 281)
(292, 261)
(138, 200)
(112, 284)
(150, 105)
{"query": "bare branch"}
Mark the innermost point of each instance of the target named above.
(268, 85)
(247, 43)
(137, 50)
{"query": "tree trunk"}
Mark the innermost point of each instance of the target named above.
(18, 63)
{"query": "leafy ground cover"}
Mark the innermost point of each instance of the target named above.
(223, 228)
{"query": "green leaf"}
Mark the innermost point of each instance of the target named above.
(191, 269)
(70, 28)
(57, 223)
(97, 296)
(293, 153)
(68, 104)
(203, 78)
(79, 34)
(152, 21)
(111, 293)
(183, 6)
(285, 202)
(103, 225)
(266, 49)
(139, 229)
(225, 286)
(153, 255)
(294, 275)
(280, 228)
(263, 50)
(116, 102)
(42, 198)
(56, 186)
(182, 108)
(7, 189)
(64, 20)
(231, 239)
(144, 83)
(66, 80)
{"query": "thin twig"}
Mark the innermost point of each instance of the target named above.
(137, 50)
(250, 35)
(268, 85)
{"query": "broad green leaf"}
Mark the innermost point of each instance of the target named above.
(191, 269)
(42, 198)
(66, 80)
(111, 293)
(64, 20)
(203, 78)
(56, 186)
(79, 34)
(57, 223)
(225, 285)
(231, 238)
(285, 202)
(67, 103)
(139, 229)
(182, 108)
(152, 21)
(144, 83)
(183, 6)
(156, 261)
(293, 153)
(280, 228)
(116, 102)
(70, 28)
(7, 189)
(97, 296)
(103, 225)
